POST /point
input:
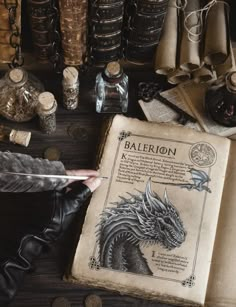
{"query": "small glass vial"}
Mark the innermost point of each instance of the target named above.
(112, 90)
(14, 136)
(46, 110)
(70, 85)
(220, 100)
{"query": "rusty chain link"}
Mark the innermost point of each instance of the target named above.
(15, 37)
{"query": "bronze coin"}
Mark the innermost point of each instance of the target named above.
(61, 302)
(93, 301)
(52, 153)
(77, 133)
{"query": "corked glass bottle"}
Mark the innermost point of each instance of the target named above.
(112, 90)
(14, 136)
(46, 109)
(220, 101)
(19, 91)
(70, 85)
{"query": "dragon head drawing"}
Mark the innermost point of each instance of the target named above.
(140, 219)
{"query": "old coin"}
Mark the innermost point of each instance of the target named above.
(61, 302)
(52, 153)
(93, 301)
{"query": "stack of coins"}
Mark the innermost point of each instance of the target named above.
(43, 20)
(144, 23)
(73, 23)
(105, 29)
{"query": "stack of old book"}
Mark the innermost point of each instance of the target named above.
(105, 28)
(144, 24)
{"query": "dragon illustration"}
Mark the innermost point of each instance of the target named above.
(199, 178)
(140, 219)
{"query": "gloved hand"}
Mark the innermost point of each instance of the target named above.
(64, 204)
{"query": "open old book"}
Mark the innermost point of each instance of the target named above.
(162, 226)
(189, 97)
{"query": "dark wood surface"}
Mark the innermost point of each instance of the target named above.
(76, 137)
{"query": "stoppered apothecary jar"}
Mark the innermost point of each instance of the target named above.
(112, 90)
(220, 100)
(19, 91)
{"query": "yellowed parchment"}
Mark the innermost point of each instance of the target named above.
(136, 151)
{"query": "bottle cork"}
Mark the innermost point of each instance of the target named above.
(113, 69)
(231, 81)
(46, 103)
(70, 75)
(16, 75)
(20, 137)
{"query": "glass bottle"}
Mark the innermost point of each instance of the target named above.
(19, 91)
(112, 90)
(70, 85)
(220, 100)
(14, 136)
(46, 110)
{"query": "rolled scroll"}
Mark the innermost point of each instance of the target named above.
(216, 49)
(204, 74)
(228, 65)
(190, 42)
(165, 58)
(178, 76)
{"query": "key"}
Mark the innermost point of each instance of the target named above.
(151, 90)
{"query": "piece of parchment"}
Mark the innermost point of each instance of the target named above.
(216, 46)
(165, 58)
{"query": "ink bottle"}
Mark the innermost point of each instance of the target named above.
(14, 136)
(46, 109)
(70, 85)
(112, 89)
(220, 100)
(19, 91)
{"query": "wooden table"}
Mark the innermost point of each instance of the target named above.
(76, 137)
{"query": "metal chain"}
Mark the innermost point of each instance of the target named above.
(55, 39)
(130, 11)
(15, 37)
(91, 42)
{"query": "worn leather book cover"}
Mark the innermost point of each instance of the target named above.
(150, 228)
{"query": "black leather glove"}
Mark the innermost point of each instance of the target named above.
(41, 230)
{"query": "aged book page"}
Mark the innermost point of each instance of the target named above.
(149, 229)
(221, 288)
(156, 111)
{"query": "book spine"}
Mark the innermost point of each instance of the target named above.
(43, 17)
(73, 26)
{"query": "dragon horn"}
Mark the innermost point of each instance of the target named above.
(154, 202)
